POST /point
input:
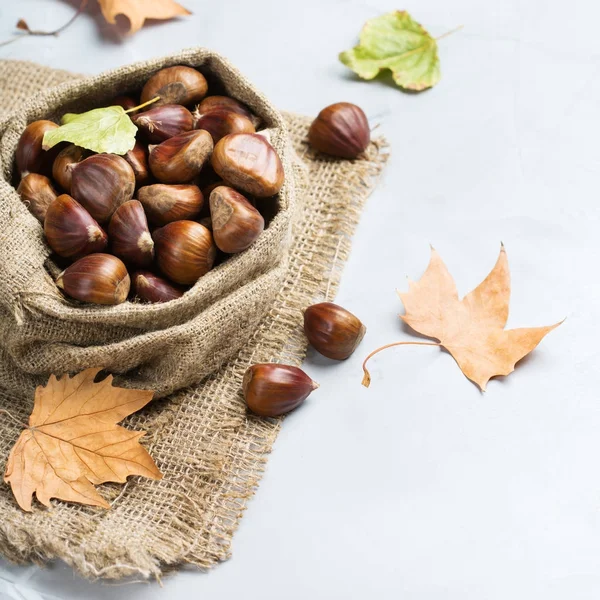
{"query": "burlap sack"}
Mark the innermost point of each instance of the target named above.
(170, 345)
(212, 453)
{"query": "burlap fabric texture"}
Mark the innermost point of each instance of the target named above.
(212, 453)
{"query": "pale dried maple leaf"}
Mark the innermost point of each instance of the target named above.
(73, 442)
(471, 329)
(137, 11)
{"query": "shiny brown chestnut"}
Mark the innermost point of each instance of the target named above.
(130, 238)
(138, 161)
(236, 224)
(30, 156)
(148, 287)
(37, 194)
(62, 168)
(184, 251)
(166, 203)
(271, 390)
(340, 130)
(97, 279)
(332, 330)
(212, 103)
(181, 158)
(247, 161)
(175, 85)
(101, 183)
(220, 123)
(163, 122)
(71, 231)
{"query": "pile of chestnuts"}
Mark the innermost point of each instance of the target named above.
(149, 224)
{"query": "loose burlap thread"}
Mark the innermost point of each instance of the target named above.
(211, 451)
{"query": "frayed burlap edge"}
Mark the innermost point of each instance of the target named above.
(212, 453)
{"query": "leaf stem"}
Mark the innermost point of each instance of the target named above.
(449, 32)
(366, 381)
(156, 98)
(13, 418)
(23, 26)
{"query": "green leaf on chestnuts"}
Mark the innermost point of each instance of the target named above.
(396, 42)
(102, 130)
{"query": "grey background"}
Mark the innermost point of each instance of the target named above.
(421, 487)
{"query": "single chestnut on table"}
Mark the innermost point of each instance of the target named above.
(96, 278)
(247, 161)
(149, 287)
(271, 389)
(235, 223)
(130, 238)
(175, 85)
(340, 130)
(332, 330)
(70, 229)
(37, 194)
(184, 251)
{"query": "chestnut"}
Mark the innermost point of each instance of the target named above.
(130, 238)
(332, 330)
(220, 123)
(247, 161)
(138, 161)
(30, 156)
(218, 103)
(175, 85)
(163, 122)
(37, 193)
(71, 231)
(181, 158)
(101, 183)
(148, 287)
(166, 203)
(271, 390)
(65, 161)
(340, 130)
(184, 251)
(97, 278)
(236, 224)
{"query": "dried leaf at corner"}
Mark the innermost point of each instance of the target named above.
(137, 11)
(73, 442)
(396, 42)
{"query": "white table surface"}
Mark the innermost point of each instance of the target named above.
(421, 487)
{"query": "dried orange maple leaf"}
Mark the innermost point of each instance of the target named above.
(137, 11)
(73, 442)
(471, 329)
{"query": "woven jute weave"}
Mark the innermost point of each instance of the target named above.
(211, 451)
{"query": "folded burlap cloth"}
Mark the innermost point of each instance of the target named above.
(211, 451)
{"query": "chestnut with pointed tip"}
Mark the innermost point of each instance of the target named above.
(220, 123)
(71, 231)
(148, 287)
(30, 156)
(181, 158)
(37, 194)
(166, 203)
(175, 85)
(130, 238)
(340, 130)
(101, 183)
(271, 390)
(163, 122)
(247, 161)
(212, 103)
(332, 330)
(97, 279)
(62, 168)
(138, 161)
(236, 224)
(184, 251)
